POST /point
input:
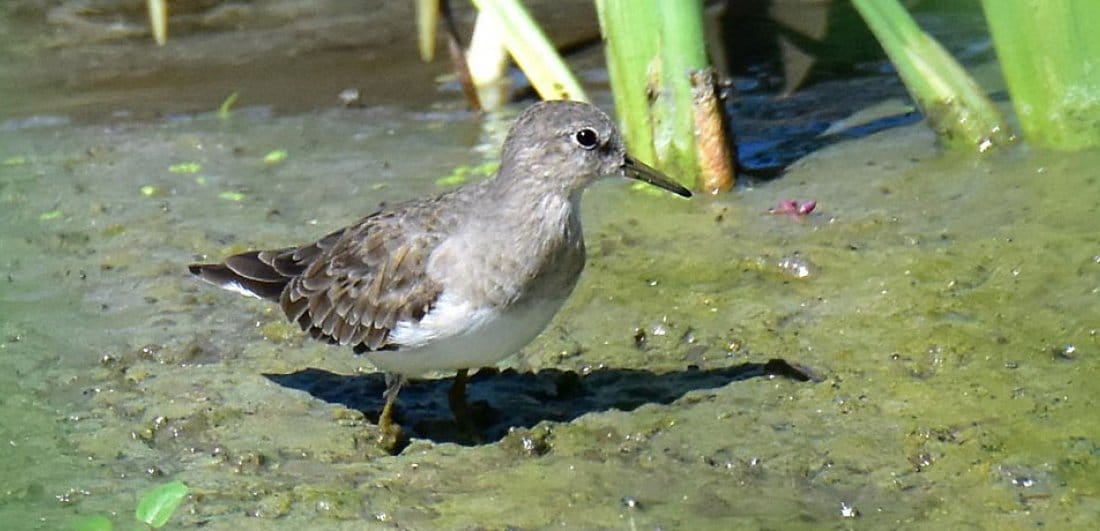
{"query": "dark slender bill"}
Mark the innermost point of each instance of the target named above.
(636, 169)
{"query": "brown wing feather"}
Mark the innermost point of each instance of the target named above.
(359, 285)
(353, 286)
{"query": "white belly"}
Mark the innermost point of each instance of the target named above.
(456, 336)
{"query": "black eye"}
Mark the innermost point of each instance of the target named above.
(587, 138)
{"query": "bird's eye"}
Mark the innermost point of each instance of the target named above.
(587, 138)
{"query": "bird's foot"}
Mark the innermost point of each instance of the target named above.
(391, 437)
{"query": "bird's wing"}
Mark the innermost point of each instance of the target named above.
(354, 287)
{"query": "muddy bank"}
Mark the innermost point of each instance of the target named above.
(951, 334)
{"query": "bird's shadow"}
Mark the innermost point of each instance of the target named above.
(501, 400)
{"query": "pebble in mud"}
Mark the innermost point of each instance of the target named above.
(796, 266)
(273, 505)
(534, 442)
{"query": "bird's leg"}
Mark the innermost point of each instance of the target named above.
(390, 432)
(456, 397)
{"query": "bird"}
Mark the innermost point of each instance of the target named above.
(457, 281)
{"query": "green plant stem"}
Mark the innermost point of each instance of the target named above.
(158, 20)
(953, 103)
(654, 47)
(1050, 56)
(427, 22)
(681, 52)
(487, 63)
(629, 28)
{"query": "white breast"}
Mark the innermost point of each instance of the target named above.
(457, 336)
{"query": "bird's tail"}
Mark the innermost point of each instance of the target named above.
(253, 273)
(263, 274)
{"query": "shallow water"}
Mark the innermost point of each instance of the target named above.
(947, 306)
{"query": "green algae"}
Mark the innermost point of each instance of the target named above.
(947, 311)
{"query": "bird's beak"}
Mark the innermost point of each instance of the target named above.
(638, 170)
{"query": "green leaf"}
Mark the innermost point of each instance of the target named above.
(952, 102)
(185, 167)
(275, 157)
(157, 505)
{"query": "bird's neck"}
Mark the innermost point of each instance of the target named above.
(537, 213)
(522, 239)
